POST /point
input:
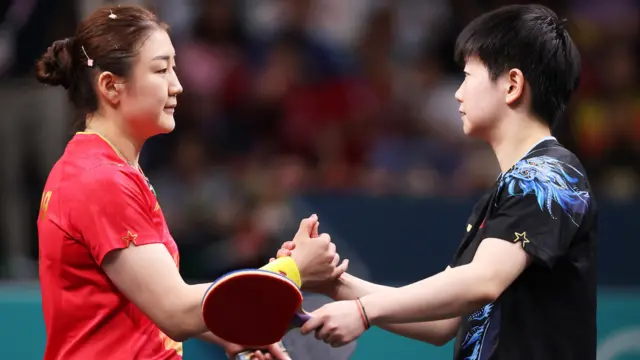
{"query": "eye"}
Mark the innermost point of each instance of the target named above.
(163, 71)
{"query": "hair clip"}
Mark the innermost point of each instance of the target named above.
(89, 60)
(112, 15)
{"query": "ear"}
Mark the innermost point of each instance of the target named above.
(515, 84)
(110, 87)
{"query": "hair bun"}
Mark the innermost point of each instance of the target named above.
(55, 66)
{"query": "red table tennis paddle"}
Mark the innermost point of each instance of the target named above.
(255, 307)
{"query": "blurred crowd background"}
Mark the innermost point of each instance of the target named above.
(344, 108)
(290, 97)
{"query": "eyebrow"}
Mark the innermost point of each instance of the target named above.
(162, 57)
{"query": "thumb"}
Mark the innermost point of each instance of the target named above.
(307, 224)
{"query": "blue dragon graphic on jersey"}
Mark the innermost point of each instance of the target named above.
(476, 332)
(547, 178)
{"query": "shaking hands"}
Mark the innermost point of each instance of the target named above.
(315, 255)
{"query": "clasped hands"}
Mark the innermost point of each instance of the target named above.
(337, 323)
(319, 266)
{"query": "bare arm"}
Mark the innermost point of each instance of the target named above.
(148, 277)
(496, 264)
(434, 332)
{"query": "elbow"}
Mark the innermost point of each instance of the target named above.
(440, 341)
(177, 330)
(177, 335)
(488, 290)
(487, 295)
(179, 323)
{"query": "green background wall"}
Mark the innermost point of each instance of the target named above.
(22, 331)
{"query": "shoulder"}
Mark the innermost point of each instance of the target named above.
(554, 177)
(108, 182)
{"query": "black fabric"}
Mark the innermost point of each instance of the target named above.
(544, 202)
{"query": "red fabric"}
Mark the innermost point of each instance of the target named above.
(93, 203)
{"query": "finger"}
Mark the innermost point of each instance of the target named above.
(341, 269)
(326, 338)
(277, 352)
(336, 259)
(289, 245)
(307, 224)
(334, 340)
(268, 357)
(272, 259)
(332, 249)
(323, 333)
(311, 324)
(283, 253)
(314, 230)
(257, 355)
(325, 237)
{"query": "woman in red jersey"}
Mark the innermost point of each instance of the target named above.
(109, 275)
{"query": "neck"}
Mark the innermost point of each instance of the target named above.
(127, 146)
(515, 138)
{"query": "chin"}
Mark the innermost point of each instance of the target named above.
(466, 128)
(472, 132)
(167, 124)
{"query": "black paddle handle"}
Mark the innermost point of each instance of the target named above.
(246, 354)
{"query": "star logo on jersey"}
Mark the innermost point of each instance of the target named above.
(129, 239)
(521, 237)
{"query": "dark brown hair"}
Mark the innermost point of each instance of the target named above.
(111, 37)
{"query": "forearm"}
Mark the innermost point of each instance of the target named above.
(350, 287)
(433, 332)
(191, 311)
(446, 295)
(187, 321)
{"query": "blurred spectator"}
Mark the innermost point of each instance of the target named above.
(290, 97)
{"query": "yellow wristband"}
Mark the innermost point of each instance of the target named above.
(285, 266)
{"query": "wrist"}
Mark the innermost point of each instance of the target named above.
(286, 266)
(336, 288)
(369, 309)
(363, 314)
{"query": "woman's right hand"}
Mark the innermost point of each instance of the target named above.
(317, 276)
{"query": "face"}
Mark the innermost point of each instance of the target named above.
(482, 101)
(149, 98)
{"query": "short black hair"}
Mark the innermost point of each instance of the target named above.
(533, 39)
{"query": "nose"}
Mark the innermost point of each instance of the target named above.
(175, 88)
(458, 94)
